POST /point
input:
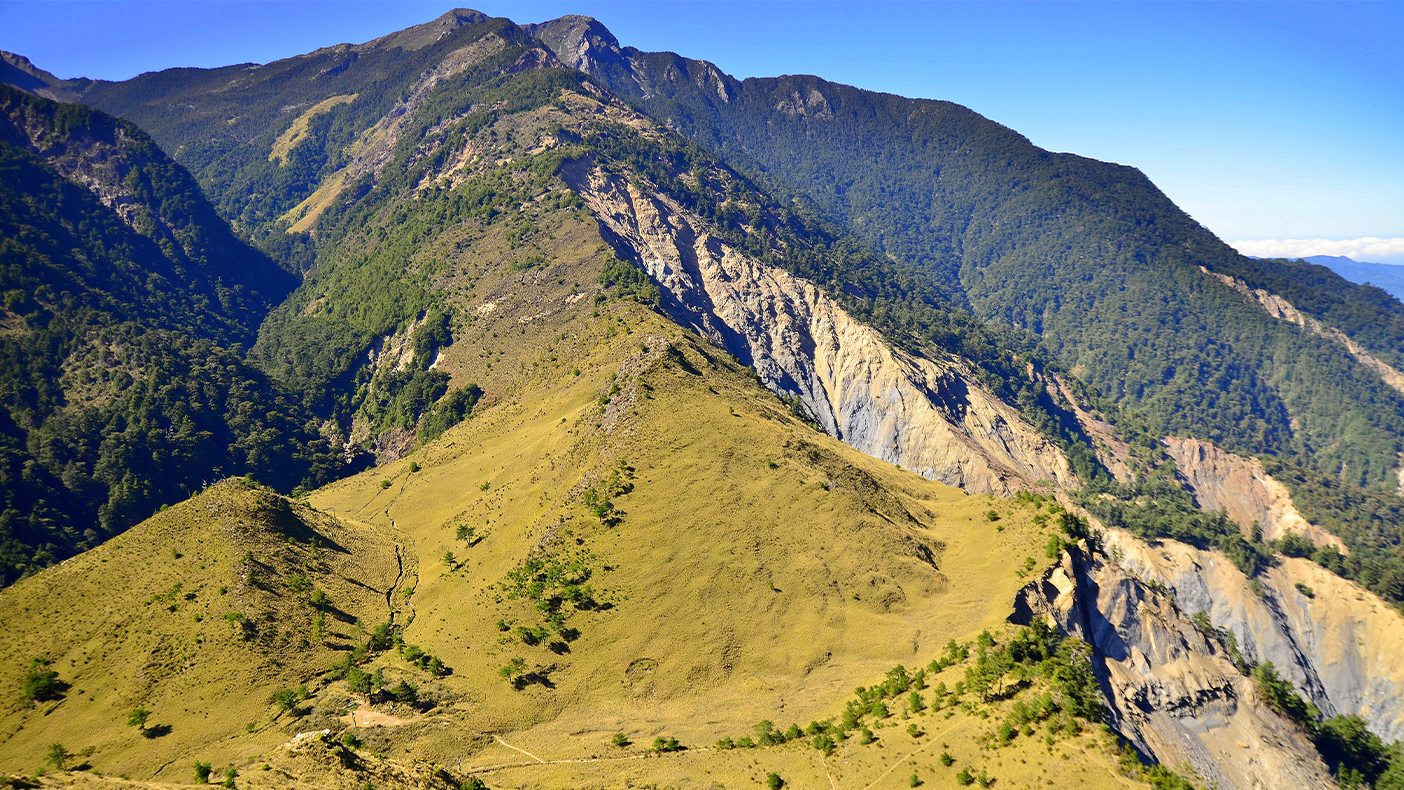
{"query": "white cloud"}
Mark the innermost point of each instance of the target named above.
(1369, 248)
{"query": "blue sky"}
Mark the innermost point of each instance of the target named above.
(1263, 120)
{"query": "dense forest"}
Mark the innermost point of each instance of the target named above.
(1089, 257)
(122, 382)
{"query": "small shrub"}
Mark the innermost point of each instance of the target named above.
(965, 778)
(40, 683)
(229, 777)
(513, 671)
(384, 484)
(661, 744)
(620, 739)
(913, 730)
(350, 741)
(914, 781)
(991, 515)
(202, 773)
(287, 699)
(947, 759)
(138, 717)
(773, 781)
(413, 467)
(58, 756)
(404, 692)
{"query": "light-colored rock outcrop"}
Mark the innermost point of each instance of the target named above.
(1283, 310)
(927, 416)
(1221, 480)
(1339, 644)
(1111, 449)
(1172, 690)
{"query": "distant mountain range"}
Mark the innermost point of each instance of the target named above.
(1382, 275)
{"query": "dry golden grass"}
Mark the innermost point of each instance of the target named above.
(296, 133)
(756, 569)
(118, 629)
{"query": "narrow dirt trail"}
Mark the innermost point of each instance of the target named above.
(498, 738)
(909, 756)
(487, 769)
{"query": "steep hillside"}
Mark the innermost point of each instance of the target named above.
(464, 173)
(1088, 256)
(198, 616)
(125, 300)
(660, 446)
(612, 548)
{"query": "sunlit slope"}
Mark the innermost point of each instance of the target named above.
(670, 552)
(198, 615)
(756, 569)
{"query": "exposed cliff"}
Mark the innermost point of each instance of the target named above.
(1239, 486)
(1172, 691)
(1338, 644)
(927, 416)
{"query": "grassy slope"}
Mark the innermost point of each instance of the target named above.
(108, 621)
(760, 570)
(785, 595)
(736, 592)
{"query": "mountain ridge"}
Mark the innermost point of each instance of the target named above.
(590, 358)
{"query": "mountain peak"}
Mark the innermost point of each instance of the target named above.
(579, 42)
(421, 36)
(19, 71)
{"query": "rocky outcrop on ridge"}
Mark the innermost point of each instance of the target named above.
(924, 415)
(1172, 689)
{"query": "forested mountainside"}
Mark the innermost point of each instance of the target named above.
(632, 539)
(352, 159)
(126, 303)
(1088, 256)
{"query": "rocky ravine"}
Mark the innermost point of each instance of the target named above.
(930, 417)
(1173, 692)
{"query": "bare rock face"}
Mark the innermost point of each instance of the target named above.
(1340, 645)
(1241, 487)
(1172, 690)
(927, 416)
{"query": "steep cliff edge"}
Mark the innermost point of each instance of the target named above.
(927, 416)
(1171, 690)
(1241, 487)
(1338, 644)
